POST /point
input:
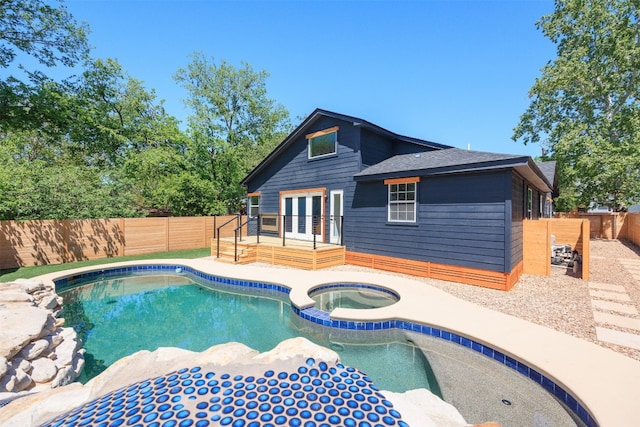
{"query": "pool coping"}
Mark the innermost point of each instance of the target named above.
(603, 382)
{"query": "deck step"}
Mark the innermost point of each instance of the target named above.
(246, 253)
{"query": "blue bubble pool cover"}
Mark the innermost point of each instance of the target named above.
(313, 395)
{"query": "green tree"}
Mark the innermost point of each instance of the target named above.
(50, 35)
(113, 114)
(586, 105)
(37, 190)
(233, 122)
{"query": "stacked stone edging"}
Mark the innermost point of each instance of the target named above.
(36, 351)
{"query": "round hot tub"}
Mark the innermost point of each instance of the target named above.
(351, 295)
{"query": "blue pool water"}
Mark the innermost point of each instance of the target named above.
(121, 315)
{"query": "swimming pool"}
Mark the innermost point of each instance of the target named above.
(477, 385)
(122, 314)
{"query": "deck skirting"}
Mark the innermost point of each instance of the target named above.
(451, 273)
(301, 258)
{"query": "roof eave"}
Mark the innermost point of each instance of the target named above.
(463, 168)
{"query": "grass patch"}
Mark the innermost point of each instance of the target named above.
(38, 270)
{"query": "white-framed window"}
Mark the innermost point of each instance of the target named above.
(253, 205)
(402, 202)
(529, 203)
(323, 143)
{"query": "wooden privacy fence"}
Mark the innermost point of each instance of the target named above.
(632, 228)
(537, 243)
(55, 242)
(606, 225)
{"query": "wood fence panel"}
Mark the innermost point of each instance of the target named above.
(187, 233)
(29, 243)
(226, 230)
(54, 242)
(536, 251)
(145, 235)
(602, 225)
(537, 243)
(633, 228)
(568, 231)
(92, 239)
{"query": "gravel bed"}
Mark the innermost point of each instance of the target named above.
(560, 301)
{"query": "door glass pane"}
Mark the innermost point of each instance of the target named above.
(302, 214)
(337, 221)
(316, 209)
(288, 211)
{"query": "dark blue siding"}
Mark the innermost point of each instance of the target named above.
(292, 170)
(375, 148)
(517, 215)
(461, 221)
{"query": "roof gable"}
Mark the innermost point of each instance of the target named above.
(317, 114)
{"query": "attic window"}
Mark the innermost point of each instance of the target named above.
(323, 143)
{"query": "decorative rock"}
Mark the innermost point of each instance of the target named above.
(68, 374)
(34, 349)
(43, 370)
(55, 339)
(49, 302)
(18, 326)
(23, 380)
(15, 297)
(4, 366)
(67, 349)
(21, 363)
(8, 382)
(29, 286)
(49, 327)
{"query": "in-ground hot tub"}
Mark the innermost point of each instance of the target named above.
(352, 295)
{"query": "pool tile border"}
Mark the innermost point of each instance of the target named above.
(323, 318)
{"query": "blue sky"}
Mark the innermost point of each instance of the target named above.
(453, 72)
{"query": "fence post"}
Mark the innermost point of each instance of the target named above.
(284, 228)
(586, 250)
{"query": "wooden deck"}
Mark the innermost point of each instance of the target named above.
(296, 253)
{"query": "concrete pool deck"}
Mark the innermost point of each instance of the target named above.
(605, 382)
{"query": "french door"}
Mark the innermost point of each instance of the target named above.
(303, 215)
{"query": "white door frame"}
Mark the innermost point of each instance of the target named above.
(335, 215)
(296, 223)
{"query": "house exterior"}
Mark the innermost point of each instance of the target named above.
(400, 203)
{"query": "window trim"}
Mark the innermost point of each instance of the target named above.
(310, 137)
(398, 181)
(250, 197)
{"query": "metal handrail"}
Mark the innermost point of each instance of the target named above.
(236, 217)
(238, 230)
(316, 221)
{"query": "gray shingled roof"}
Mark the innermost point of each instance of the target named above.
(440, 159)
(548, 169)
(453, 160)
